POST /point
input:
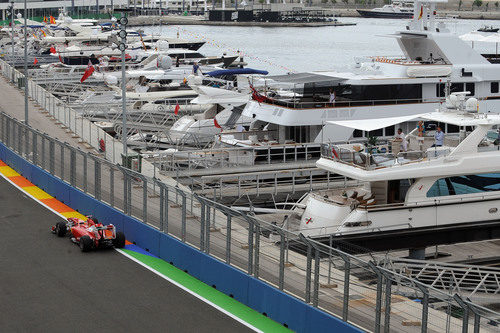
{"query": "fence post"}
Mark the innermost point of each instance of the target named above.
(144, 199)
(61, 146)
(387, 315)
(183, 217)
(111, 186)
(35, 148)
(256, 252)
(250, 244)
(304, 240)
(52, 155)
(425, 307)
(465, 319)
(281, 278)
(378, 303)
(72, 166)
(228, 236)
(347, 275)
(97, 179)
(207, 227)
(202, 223)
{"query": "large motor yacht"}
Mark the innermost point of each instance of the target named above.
(456, 184)
(379, 86)
(395, 10)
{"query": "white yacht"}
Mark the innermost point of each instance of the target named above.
(394, 10)
(380, 86)
(457, 184)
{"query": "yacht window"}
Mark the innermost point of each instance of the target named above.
(452, 128)
(470, 86)
(456, 87)
(357, 133)
(494, 87)
(438, 189)
(389, 131)
(377, 132)
(465, 185)
(357, 224)
(440, 90)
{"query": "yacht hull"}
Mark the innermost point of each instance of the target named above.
(376, 14)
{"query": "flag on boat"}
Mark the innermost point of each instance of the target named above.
(53, 50)
(421, 12)
(177, 108)
(216, 123)
(52, 20)
(60, 59)
(88, 72)
(35, 61)
(45, 19)
(43, 33)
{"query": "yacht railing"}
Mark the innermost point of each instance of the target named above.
(296, 103)
(371, 159)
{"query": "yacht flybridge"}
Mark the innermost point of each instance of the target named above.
(457, 184)
(380, 86)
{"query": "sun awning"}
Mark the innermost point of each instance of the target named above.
(301, 78)
(373, 124)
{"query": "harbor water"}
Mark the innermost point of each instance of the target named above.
(299, 49)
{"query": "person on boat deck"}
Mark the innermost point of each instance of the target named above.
(332, 97)
(196, 67)
(400, 136)
(177, 61)
(438, 137)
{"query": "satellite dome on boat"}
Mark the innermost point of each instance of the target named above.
(471, 105)
(164, 62)
(162, 45)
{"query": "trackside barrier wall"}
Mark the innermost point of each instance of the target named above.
(252, 292)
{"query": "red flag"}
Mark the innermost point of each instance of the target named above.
(88, 72)
(52, 20)
(256, 96)
(216, 123)
(53, 50)
(35, 61)
(60, 59)
(177, 108)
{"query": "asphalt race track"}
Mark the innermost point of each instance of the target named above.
(47, 284)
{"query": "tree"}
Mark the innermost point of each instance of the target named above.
(460, 5)
(324, 1)
(486, 6)
(335, 1)
(345, 1)
(477, 3)
(496, 5)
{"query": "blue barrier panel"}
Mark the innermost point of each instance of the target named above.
(262, 297)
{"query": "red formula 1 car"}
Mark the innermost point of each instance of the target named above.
(90, 234)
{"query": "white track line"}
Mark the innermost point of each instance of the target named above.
(229, 314)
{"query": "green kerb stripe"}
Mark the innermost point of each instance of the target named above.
(229, 304)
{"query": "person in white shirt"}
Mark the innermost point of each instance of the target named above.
(400, 136)
(332, 97)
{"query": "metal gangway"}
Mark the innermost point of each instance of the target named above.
(480, 284)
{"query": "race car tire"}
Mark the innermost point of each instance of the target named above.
(61, 229)
(86, 243)
(119, 241)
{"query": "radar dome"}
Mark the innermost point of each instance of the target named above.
(471, 105)
(164, 62)
(111, 80)
(452, 101)
(162, 45)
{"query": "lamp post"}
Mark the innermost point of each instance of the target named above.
(12, 38)
(123, 46)
(25, 64)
